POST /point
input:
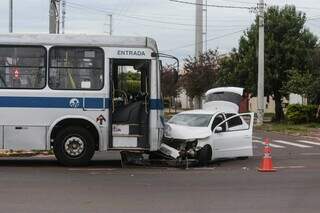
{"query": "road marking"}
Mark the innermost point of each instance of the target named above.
(289, 167)
(310, 153)
(292, 144)
(270, 144)
(255, 137)
(309, 142)
(91, 169)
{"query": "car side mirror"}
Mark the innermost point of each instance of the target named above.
(218, 129)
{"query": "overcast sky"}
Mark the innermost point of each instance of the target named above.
(170, 23)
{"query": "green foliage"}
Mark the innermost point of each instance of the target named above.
(200, 74)
(299, 82)
(169, 86)
(298, 113)
(130, 82)
(289, 46)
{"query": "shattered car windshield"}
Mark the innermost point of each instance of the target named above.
(195, 120)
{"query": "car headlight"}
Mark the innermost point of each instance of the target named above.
(167, 130)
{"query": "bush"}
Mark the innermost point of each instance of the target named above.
(298, 113)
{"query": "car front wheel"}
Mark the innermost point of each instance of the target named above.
(204, 155)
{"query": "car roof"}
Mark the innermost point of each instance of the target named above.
(199, 111)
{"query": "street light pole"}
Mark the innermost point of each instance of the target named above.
(10, 16)
(199, 28)
(110, 24)
(54, 13)
(260, 101)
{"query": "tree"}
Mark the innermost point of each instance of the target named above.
(169, 85)
(289, 46)
(300, 83)
(200, 74)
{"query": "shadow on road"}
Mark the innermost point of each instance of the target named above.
(16, 162)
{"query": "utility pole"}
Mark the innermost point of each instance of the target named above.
(54, 16)
(199, 39)
(199, 28)
(205, 33)
(110, 24)
(108, 27)
(10, 16)
(260, 101)
(63, 18)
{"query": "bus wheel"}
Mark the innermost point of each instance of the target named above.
(74, 146)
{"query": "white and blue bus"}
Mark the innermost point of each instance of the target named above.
(77, 94)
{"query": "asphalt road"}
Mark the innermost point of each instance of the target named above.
(39, 184)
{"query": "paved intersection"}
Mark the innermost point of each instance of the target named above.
(39, 184)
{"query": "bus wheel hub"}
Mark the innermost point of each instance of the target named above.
(74, 146)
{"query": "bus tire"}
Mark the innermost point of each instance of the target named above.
(204, 155)
(74, 146)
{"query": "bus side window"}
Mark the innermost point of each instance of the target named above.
(76, 68)
(22, 67)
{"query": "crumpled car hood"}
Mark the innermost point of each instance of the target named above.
(186, 132)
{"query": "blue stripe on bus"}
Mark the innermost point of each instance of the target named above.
(51, 102)
(156, 104)
(65, 102)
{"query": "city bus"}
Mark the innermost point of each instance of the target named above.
(77, 94)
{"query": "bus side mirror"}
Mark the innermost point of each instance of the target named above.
(160, 65)
(175, 76)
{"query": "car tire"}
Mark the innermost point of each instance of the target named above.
(74, 146)
(204, 155)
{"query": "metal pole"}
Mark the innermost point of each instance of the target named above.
(10, 16)
(54, 10)
(110, 19)
(206, 27)
(63, 11)
(260, 101)
(199, 28)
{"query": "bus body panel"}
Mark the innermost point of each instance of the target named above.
(28, 114)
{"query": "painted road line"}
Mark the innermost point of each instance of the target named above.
(310, 142)
(270, 144)
(310, 154)
(292, 144)
(289, 167)
(91, 169)
(255, 137)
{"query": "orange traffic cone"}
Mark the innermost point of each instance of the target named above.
(266, 163)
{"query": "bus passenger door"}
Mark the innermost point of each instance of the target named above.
(130, 92)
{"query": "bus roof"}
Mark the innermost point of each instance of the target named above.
(78, 40)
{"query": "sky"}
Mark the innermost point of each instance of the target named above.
(171, 24)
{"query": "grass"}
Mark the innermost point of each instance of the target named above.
(287, 128)
(24, 153)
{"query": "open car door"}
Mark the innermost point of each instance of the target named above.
(233, 137)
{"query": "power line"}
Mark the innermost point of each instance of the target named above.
(210, 39)
(214, 5)
(170, 16)
(104, 11)
(241, 2)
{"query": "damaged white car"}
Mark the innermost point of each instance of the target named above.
(216, 131)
